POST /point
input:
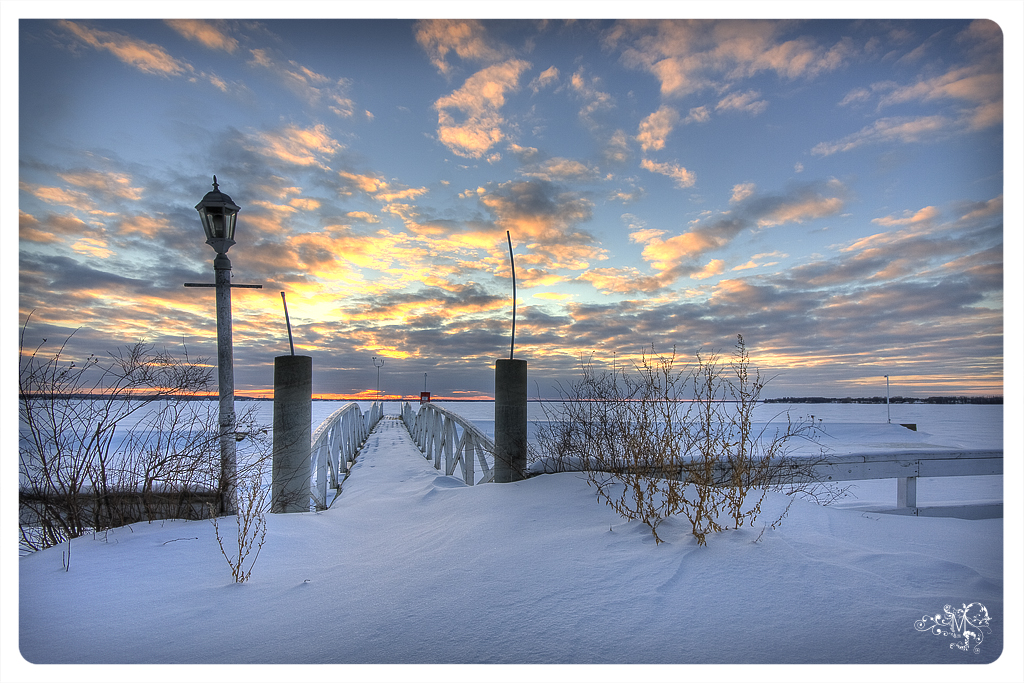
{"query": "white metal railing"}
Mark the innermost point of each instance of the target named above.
(904, 466)
(443, 435)
(907, 466)
(334, 445)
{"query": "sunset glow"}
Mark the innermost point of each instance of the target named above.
(831, 190)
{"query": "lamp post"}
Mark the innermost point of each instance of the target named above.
(888, 419)
(218, 213)
(378, 363)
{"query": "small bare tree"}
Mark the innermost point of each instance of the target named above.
(668, 440)
(108, 442)
(251, 525)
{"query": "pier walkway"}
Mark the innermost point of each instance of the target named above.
(391, 464)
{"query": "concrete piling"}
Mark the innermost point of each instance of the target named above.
(293, 417)
(509, 420)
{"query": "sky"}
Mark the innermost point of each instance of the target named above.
(831, 190)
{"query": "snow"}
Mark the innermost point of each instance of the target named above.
(410, 567)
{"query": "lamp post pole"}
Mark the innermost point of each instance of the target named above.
(226, 385)
(218, 214)
(888, 418)
(378, 363)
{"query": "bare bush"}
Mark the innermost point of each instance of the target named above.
(669, 440)
(115, 440)
(250, 523)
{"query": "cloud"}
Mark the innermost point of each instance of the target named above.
(927, 215)
(560, 169)
(144, 56)
(808, 206)
(30, 229)
(713, 267)
(616, 149)
(378, 187)
(209, 34)
(984, 88)
(479, 100)
(304, 203)
(546, 220)
(678, 255)
(524, 154)
(887, 130)
(976, 83)
(94, 248)
(314, 88)
(855, 95)
(742, 191)
(296, 146)
(755, 261)
(110, 184)
(621, 280)
(547, 77)
(656, 127)
(698, 115)
(467, 39)
(596, 101)
(678, 173)
(689, 56)
(992, 207)
(57, 195)
(363, 217)
(746, 102)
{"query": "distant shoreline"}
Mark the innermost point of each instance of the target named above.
(896, 400)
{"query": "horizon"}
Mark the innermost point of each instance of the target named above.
(832, 190)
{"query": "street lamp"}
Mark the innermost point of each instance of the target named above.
(887, 417)
(379, 363)
(218, 213)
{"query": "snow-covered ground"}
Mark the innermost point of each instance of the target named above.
(409, 567)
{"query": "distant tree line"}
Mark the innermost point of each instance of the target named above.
(942, 400)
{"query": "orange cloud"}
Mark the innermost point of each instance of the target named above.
(713, 267)
(56, 195)
(656, 128)
(144, 224)
(621, 280)
(992, 207)
(467, 39)
(479, 100)
(304, 203)
(926, 215)
(92, 247)
(204, 32)
(546, 78)
(112, 184)
(688, 56)
(897, 129)
(561, 169)
(808, 208)
(741, 192)
(682, 177)
(294, 145)
(746, 102)
(145, 57)
(313, 87)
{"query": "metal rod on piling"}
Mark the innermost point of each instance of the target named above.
(512, 348)
(288, 322)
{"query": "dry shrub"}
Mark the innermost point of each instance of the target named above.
(668, 439)
(110, 441)
(251, 526)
